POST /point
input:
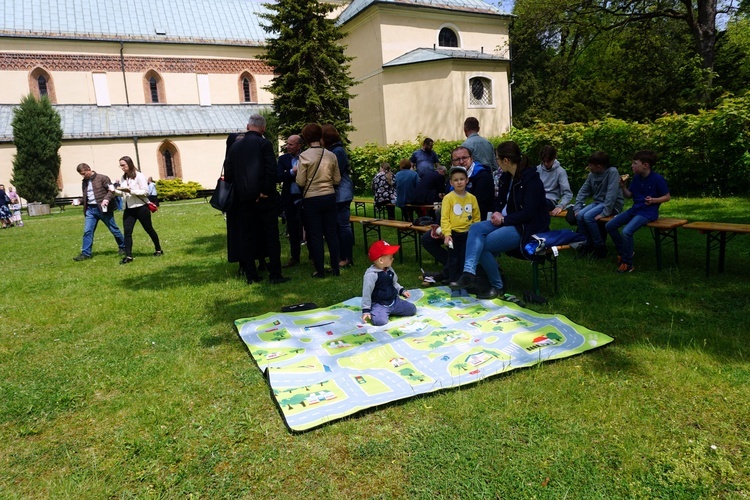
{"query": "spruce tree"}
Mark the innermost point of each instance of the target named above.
(312, 81)
(37, 135)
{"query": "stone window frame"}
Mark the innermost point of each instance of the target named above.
(253, 88)
(170, 146)
(34, 84)
(160, 91)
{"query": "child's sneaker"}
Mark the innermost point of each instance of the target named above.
(625, 268)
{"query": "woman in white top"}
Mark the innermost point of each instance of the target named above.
(134, 191)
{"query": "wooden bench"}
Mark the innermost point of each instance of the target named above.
(61, 203)
(204, 193)
(662, 229)
(406, 233)
(717, 236)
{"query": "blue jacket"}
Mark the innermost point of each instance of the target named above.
(526, 204)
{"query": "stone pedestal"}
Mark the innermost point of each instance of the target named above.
(38, 209)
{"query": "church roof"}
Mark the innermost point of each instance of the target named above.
(472, 6)
(183, 21)
(426, 55)
(144, 120)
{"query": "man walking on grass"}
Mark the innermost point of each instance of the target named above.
(98, 195)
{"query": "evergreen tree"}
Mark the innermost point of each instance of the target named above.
(37, 135)
(312, 81)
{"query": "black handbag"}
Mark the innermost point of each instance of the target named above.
(223, 194)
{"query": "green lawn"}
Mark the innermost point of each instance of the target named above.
(131, 381)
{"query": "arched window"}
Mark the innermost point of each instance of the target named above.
(40, 85)
(480, 92)
(247, 88)
(153, 88)
(447, 38)
(169, 161)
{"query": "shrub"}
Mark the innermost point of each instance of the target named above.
(37, 135)
(707, 154)
(175, 189)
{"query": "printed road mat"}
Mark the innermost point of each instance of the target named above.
(325, 364)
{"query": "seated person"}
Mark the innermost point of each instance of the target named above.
(406, 184)
(648, 190)
(481, 184)
(603, 185)
(555, 180)
(381, 293)
(520, 212)
(430, 188)
(459, 211)
(384, 190)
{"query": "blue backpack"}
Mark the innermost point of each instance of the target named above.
(540, 242)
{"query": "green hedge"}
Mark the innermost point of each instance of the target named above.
(175, 189)
(707, 154)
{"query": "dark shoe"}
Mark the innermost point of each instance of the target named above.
(491, 293)
(262, 266)
(584, 251)
(625, 268)
(290, 263)
(126, 260)
(158, 253)
(466, 280)
(252, 278)
(122, 252)
(318, 275)
(81, 257)
(277, 280)
(600, 252)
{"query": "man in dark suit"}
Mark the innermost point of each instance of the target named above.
(251, 167)
(291, 197)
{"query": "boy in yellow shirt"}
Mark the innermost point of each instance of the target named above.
(460, 209)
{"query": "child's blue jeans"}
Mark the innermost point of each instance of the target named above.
(588, 225)
(624, 242)
(379, 313)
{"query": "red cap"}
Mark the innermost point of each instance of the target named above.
(380, 248)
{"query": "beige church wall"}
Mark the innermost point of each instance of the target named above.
(225, 88)
(7, 152)
(73, 87)
(200, 159)
(362, 38)
(367, 113)
(412, 111)
(14, 85)
(181, 88)
(403, 34)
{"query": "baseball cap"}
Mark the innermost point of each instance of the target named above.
(380, 248)
(453, 170)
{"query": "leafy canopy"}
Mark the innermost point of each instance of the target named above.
(312, 81)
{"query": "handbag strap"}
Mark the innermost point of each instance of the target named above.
(322, 150)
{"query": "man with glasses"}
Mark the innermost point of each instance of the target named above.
(98, 195)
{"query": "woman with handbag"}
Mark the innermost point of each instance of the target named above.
(317, 176)
(134, 192)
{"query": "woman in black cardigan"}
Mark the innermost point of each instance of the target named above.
(519, 212)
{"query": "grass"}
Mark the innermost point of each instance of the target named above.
(130, 381)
